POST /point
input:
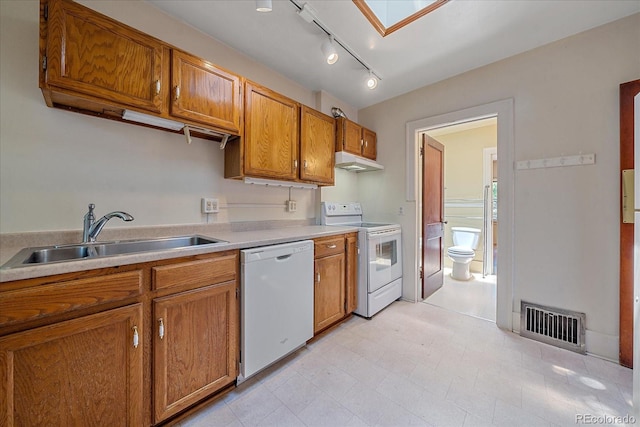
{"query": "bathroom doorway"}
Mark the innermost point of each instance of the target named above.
(470, 212)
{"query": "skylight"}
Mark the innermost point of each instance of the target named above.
(387, 16)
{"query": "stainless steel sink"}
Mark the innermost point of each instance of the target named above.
(51, 254)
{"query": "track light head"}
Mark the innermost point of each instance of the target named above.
(264, 5)
(372, 81)
(329, 51)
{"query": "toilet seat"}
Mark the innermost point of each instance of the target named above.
(461, 250)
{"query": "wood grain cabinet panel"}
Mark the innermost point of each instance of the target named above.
(329, 291)
(87, 371)
(271, 134)
(205, 93)
(352, 272)
(195, 345)
(369, 144)
(355, 139)
(317, 136)
(91, 54)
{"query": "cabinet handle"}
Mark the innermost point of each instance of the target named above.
(365, 143)
(295, 164)
(136, 339)
(331, 246)
(305, 164)
(177, 92)
(318, 278)
(160, 328)
(157, 87)
(361, 142)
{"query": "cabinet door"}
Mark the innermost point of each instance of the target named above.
(317, 136)
(329, 291)
(352, 272)
(94, 55)
(86, 371)
(369, 144)
(204, 93)
(195, 342)
(349, 136)
(271, 134)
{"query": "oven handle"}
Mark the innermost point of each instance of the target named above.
(384, 233)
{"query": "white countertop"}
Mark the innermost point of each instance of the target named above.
(236, 239)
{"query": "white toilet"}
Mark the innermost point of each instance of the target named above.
(465, 240)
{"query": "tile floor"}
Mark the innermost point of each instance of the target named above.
(475, 297)
(421, 365)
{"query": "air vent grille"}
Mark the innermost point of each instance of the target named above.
(555, 326)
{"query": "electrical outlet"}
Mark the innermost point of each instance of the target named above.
(209, 205)
(291, 206)
(401, 210)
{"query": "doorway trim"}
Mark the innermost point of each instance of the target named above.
(503, 110)
(488, 156)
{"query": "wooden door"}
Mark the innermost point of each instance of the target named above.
(329, 291)
(87, 371)
(352, 272)
(94, 55)
(369, 144)
(271, 134)
(432, 215)
(195, 342)
(627, 93)
(317, 136)
(205, 93)
(349, 136)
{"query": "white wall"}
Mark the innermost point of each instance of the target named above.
(53, 162)
(566, 219)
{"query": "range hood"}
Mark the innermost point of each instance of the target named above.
(354, 163)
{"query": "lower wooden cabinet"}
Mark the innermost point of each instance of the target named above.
(194, 346)
(85, 371)
(352, 272)
(336, 277)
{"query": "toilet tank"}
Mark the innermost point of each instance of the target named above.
(466, 236)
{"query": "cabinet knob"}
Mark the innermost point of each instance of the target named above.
(177, 92)
(331, 246)
(157, 87)
(361, 142)
(365, 143)
(295, 164)
(304, 165)
(136, 338)
(318, 278)
(160, 328)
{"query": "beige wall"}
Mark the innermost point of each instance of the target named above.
(565, 219)
(53, 162)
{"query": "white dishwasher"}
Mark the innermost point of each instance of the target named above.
(276, 303)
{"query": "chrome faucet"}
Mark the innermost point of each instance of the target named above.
(91, 228)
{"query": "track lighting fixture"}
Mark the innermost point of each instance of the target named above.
(372, 81)
(264, 5)
(329, 51)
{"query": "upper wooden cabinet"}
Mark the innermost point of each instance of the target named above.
(283, 140)
(87, 53)
(205, 93)
(355, 139)
(317, 136)
(97, 65)
(271, 134)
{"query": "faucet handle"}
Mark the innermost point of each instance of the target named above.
(91, 207)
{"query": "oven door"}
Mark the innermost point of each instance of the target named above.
(384, 250)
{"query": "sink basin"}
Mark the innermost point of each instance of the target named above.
(51, 254)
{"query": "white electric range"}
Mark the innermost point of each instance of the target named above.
(379, 259)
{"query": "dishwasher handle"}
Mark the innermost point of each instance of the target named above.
(283, 257)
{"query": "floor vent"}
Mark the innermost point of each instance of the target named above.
(555, 326)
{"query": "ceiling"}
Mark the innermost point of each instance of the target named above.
(457, 37)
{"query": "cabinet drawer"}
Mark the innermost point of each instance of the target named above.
(56, 298)
(329, 246)
(196, 273)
